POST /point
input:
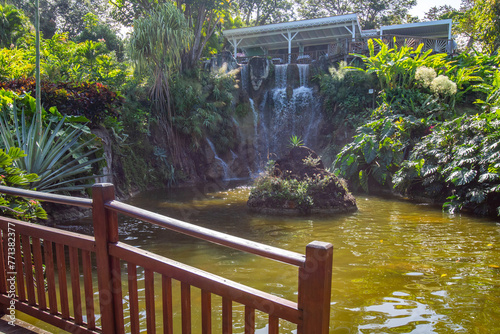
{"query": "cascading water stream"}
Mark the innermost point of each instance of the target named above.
(244, 78)
(283, 111)
(297, 114)
(222, 163)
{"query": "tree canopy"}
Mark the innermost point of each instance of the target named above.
(260, 12)
(372, 13)
(12, 25)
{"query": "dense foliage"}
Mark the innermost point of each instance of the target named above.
(64, 156)
(458, 161)
(94, 101)
(426, 137)
(63, 60)
(203, 108)
(12, 176)
(300, 193)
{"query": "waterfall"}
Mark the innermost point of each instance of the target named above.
(303, 74)
(222, 163)
(244, 78)
(283, 113)
(280, 74)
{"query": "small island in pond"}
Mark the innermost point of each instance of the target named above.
(298, 183)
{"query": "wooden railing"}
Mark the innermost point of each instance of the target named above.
(32, 256)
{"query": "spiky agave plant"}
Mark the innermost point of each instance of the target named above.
(57, 154)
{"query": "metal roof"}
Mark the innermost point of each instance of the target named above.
(304, 32)
(430, 29)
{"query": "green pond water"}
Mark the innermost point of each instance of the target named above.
(398, 267)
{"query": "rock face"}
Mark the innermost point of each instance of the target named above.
(259, 71)
(299, 184)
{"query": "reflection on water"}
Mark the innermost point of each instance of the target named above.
(398, 267)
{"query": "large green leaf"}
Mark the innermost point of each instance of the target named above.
(57, 154)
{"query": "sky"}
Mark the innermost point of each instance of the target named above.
(424, 6)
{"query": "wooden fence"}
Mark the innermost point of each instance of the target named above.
(38, 263)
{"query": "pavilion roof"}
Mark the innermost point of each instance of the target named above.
(326, 30)
(305, 32)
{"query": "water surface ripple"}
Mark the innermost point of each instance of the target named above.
(399, 267)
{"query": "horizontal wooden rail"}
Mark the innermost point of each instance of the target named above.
(64, 260)
(50, 234)
(208, 235)
(281, 308)
(61, 199)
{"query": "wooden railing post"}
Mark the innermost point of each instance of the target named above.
(105, 231)
(315, 283)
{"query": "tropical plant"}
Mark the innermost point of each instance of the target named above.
(396, 67)
(377, 151)
(492, 91)
(459, 161)
(156, 46)
(202, 103)
(58, 154)
(97, 31)
(95, 101)
(346, 91)
(12, 25)
(64, 61)
(295, 141)
(12, 176)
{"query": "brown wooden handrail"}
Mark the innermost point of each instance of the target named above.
(43, 253)
(54, 198)
(196, 231)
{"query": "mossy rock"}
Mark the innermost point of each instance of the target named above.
(299, 184)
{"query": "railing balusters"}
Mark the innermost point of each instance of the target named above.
(206, 312)
(274, 325)
(40, 280)
(249, 320)
(186, 308)
(227, 316)
(51, 279)
(166, 286)
(74, 266)
(89, 290)
(28, 270)
(117, 295)
(150, 300)
(311, 313)
(133, 298)
(63, 284)
(21, 289)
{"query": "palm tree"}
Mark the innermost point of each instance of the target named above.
(156, 47)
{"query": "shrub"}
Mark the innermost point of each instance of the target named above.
(377, 151)
(11, 176)
(458, 161)
(95, 101)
